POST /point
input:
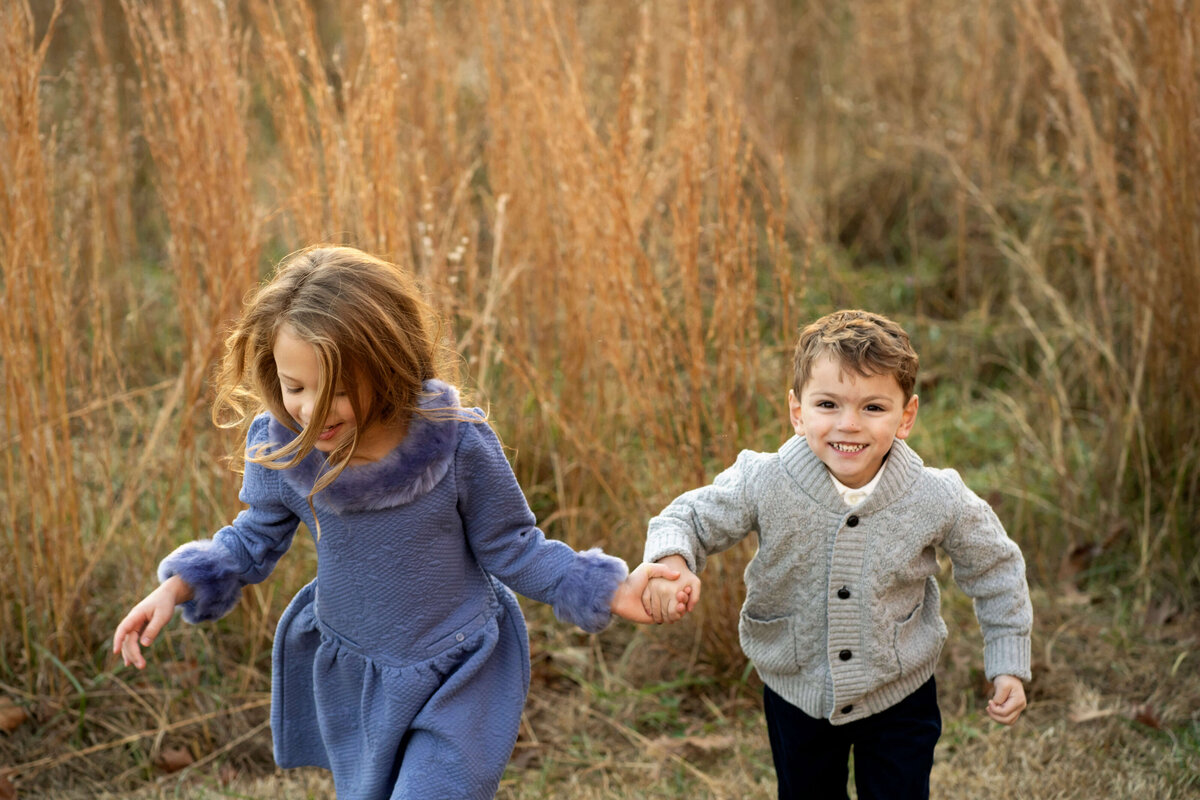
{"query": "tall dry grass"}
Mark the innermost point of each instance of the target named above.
(624, 212)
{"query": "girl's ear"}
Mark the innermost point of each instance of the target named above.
(908, 419)
(794, 415)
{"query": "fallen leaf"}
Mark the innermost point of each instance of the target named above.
(1146, 715)
(227, 774)
(7, 790)
(173, 759)
(12, 716)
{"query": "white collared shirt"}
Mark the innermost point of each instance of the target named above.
(853, 497)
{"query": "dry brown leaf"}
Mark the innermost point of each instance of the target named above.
(7, 790)
(1147, 715)
(173, 759)
(227, 774)
(12, 716)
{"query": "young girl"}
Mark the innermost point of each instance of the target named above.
(404, 665)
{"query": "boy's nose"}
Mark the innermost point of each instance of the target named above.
(848, 422)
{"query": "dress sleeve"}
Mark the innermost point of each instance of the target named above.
(704, 521)
(989, 568)
(504, 537)
(242, 552)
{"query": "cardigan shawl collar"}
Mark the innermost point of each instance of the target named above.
(812, 476)
(409, 471)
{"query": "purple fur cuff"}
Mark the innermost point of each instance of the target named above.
(212, 573)
(585, 593)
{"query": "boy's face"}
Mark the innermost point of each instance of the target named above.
(850, 421)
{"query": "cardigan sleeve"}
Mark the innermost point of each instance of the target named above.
(989, 568)
(242, 552)
(504, 537)
(704, 521)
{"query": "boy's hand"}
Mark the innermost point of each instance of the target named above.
(1008, 701)
(627, 600)
(147, 618)
(669, 600)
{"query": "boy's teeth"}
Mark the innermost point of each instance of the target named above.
(848, 448)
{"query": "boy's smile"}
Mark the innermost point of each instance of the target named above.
(850, 421)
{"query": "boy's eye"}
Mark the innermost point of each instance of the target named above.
(874, 407)
(825, 404)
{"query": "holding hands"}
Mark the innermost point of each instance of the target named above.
(668, 599)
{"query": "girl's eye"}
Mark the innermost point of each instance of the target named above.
(291, 390)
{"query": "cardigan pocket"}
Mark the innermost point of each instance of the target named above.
(918, 640)
(769, 644)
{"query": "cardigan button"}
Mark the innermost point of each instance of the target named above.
(843, 593)
(847, 709)
(459, 637)
(845, 655)
(852, 521)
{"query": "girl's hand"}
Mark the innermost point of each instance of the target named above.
(1008, 702)
(147, 618)
(627, 600)
(668, 601)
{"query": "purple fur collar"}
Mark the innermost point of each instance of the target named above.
(416, 465)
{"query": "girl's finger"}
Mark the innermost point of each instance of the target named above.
(157, 622)
(128, 625)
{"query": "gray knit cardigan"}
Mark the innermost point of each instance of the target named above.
(842, 614)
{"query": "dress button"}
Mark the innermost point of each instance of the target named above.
(460, 637)
(843, 593)
(845, 655)
(847, 709)
(852, 520)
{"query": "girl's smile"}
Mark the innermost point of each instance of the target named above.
(850, 421)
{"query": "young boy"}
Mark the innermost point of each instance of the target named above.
(841, 618)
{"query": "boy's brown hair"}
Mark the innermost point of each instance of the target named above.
(863, 342)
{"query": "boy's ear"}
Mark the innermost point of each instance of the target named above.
(794, 413)
(908, 418)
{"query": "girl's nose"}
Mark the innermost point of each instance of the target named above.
(306, 409)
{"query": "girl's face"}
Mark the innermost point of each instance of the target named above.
(850, 421)
(298, 368)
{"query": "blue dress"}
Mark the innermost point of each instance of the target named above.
(403, 666)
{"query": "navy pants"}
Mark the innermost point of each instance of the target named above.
(893, 750)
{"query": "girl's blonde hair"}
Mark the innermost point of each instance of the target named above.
(863, 342)
(375, 335)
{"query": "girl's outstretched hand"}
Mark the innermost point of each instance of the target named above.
(627, 600)
(147, 618)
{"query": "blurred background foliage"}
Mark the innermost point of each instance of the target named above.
(625, 211)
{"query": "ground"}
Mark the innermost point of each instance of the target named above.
(1114, 712)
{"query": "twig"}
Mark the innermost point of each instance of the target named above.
(30, 767)
(639, 739)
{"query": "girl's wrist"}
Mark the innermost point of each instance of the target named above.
(177, 589)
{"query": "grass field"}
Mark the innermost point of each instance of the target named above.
(624, 212)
